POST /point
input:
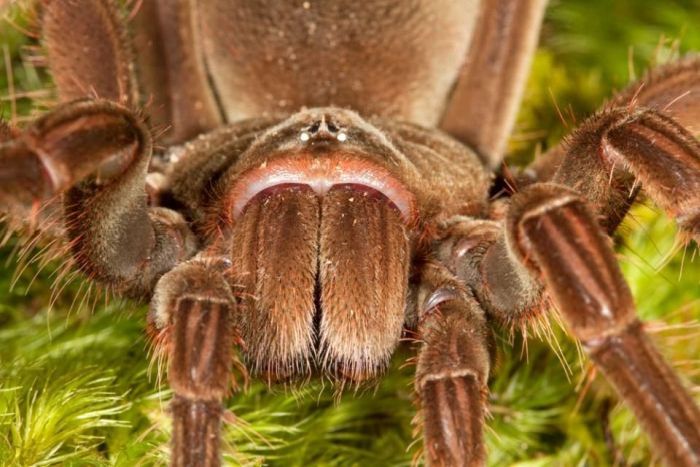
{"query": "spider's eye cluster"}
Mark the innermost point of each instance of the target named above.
(323, 129)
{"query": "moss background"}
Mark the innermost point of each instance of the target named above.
(75, 384)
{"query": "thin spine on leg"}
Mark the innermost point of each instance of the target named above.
(557, 237)
(87, 50)
(192, 313)
(94, 156)
(453, 368)
(483, 105)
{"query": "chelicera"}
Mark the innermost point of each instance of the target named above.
(323, 186)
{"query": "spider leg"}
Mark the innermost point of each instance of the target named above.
(191, 317)
(90, 54)
(552, 240)
(87, 50)
(172, 75)
(484, 102)
(93, 155)
(619, 150)
(556, 234)
(672, 90)
(453, 369)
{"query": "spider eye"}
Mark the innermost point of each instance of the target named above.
(324, 129)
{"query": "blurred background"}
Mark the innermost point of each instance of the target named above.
(75, 383)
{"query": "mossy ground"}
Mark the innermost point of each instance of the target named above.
(75, 387)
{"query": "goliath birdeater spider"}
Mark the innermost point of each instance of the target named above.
(309, 206)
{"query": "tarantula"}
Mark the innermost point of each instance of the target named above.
(324, 186)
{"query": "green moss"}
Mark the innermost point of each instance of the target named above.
(76, 389)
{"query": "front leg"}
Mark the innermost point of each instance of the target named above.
(94, 156)
(621, 151)
(453, 370)
(645, 138)
(192, 322)
(555, 235)
(484, 101)
(552, 242)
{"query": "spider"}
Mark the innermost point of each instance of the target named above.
(324, 187)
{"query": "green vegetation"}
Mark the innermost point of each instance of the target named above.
(76, 388)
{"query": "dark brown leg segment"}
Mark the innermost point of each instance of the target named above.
(672, 89)
(192, 317)
(453, 368)
(557, 236)
(483, 105)
(619, 151)
(94, 156)
(171, 71)
(87, 50)
(645, 137)
(90, 55)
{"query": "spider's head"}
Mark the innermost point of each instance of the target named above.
(322, 214)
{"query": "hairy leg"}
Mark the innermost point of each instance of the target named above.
(453, 369)
(484, 102)
(93, 156)
(172, 78)
(672, 90)
(557, 237)
(630, 145)
(192, 323)
(619, 151)
(645, 139)
(88, 51)
(91, 54)
(551, 240)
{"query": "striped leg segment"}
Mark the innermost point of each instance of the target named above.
(87, 50)
(619, 151)
(453, 367)
(484, 102)
(192, 316)
(92, 156)
(645, 138)
(557, 236)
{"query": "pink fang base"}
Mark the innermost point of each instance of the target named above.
(321, 174)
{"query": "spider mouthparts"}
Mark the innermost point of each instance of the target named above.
(325, 281)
